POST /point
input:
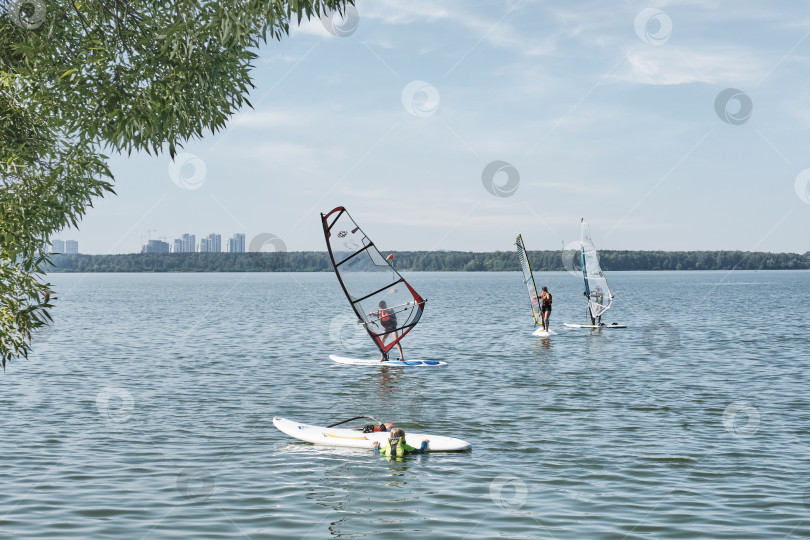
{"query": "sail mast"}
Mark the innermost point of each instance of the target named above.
(582, 255)
(528, 279)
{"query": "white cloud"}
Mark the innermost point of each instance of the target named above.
(444, 208)
(398, 12)
(571, 187)
(495, 30)
(273, 118)
(272, 59)
(669, 65)
(274, 152)
(795, 113)
(310, 27)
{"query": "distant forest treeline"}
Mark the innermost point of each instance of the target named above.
(427, 261)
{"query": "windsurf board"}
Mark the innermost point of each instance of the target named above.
(390, 363)
(353, 438)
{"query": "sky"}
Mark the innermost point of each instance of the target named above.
(456, 125)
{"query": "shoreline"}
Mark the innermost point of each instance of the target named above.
(426, 261)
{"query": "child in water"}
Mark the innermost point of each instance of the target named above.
(397, 447)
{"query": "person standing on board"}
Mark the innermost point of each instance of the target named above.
(388, 320)
(545, 309)
(597, 296)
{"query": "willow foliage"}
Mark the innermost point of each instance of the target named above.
(78, 78)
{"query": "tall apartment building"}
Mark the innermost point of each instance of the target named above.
(209, 244)
(72, 247)
(236, 243)
(57, 246)
(214, 243)
(189, 243)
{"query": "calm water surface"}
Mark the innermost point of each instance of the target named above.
(146, 412)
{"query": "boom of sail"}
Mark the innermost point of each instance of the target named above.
(596, 287)
(528, 280)
(385, 304)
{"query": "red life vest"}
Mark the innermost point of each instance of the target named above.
(387, 317)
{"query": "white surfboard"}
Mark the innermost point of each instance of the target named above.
(353, 438)
(543, 333)
(390, 363)
(614, 325)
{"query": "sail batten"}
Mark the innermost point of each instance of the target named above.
(528, 280)
(596, 287)
(356, 253)
(370, 282)
(378, 291)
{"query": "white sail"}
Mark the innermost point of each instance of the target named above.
(596, 287)
(528, 280)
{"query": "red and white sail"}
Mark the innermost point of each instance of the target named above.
(368, 279)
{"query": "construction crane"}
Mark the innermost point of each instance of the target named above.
(148, 237)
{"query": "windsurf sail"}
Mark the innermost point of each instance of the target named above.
(528, 280)
(385, 304)
(596, 287)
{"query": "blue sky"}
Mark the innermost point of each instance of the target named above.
(602, 110)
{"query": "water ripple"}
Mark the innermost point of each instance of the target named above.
(147, 412)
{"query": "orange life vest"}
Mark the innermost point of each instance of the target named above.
(387, 317)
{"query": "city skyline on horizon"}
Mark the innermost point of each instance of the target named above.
(187, 243)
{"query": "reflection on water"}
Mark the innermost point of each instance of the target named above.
(398, 467)
(544, 342)
(387, 379)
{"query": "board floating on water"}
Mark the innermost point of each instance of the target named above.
(544, 333)
(614, 325)
(353, 438)
(395, 363)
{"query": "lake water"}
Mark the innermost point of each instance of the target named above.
(146, 411)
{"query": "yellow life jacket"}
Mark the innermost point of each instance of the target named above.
(394, 447)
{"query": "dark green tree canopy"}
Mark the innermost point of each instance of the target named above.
(138, 75)
(80, 77)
